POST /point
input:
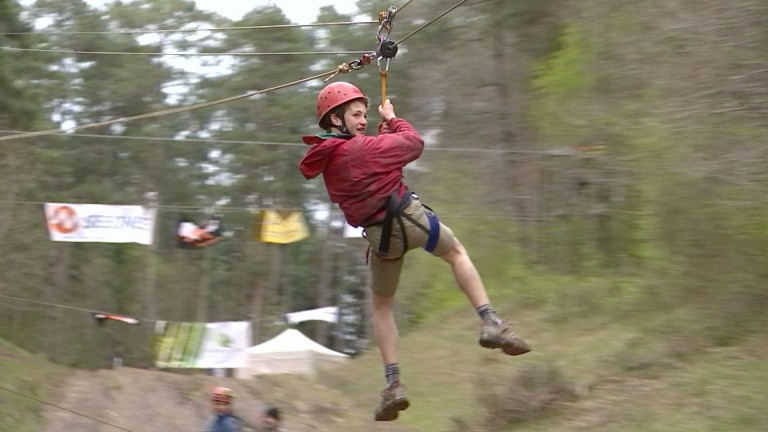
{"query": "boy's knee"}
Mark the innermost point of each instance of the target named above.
(455, 250)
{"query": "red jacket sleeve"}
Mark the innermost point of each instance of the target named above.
(397, 149)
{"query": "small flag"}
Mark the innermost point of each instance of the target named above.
(100, 318)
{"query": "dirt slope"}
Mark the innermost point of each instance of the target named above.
(154, 401)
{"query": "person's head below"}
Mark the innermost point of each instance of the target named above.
(342, 108)
(222, 399)
(270, 419)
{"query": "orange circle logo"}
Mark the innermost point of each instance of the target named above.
(63, 220)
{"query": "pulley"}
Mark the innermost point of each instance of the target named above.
(387, 49)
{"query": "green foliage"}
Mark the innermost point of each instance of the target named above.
(18, 99)
(593, 158)
(31, 376)
(561, 82)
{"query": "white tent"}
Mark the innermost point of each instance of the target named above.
(290, 352)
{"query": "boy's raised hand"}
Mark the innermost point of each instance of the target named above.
(384, 127)
(387, 111)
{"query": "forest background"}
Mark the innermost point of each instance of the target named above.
(598, 158)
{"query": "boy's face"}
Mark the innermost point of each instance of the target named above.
(221, 406)
(356, 117)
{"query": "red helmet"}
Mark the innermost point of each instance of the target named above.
(335, 94)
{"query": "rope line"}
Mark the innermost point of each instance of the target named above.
(165, 112)
(418, 29)
(212, 209)
(171, 207)
(555, 152)
(402, 7)
(204, 29)
(183, 54)
(63, 408)
(61, 306)
(343, 68)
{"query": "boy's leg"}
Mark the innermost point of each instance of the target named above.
(494, 333)
(385, 328)
(466, 275)
(385, 276)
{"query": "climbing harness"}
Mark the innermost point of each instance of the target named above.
(386, 49)
(394, 210)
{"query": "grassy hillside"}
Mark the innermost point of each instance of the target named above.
(53, 399)
(589, 374)
(592, 372)
(30, 375)
(646, 310)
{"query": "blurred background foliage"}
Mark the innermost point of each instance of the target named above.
(600, 160)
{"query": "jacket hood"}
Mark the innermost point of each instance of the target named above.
(314, 161)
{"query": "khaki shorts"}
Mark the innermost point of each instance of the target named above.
(385, 273)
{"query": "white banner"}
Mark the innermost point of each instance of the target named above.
(100, 223)
(329, 314)
(202, 345)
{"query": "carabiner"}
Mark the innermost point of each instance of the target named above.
(386, 64)
(385, 47)
(385, 23)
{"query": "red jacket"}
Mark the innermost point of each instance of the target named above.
(361, 172)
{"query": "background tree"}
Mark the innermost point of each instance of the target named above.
(565, 141)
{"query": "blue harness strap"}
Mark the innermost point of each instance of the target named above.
(434, 230)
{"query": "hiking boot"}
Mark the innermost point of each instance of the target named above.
(393, 400)
(501, 336)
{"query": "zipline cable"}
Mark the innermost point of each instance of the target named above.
(92, 311)
(208, 209)
(190, 30)
(430, 22)
(342, 68)
(554, 152)
(63, 408)
(61, 306)
(387, 49)
(183, 54)
(199, 208)
(165, 112)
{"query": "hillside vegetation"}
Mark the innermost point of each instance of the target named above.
(602, 161)
(593, 374)
(30, 375)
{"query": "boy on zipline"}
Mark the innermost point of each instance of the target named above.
(364, 176)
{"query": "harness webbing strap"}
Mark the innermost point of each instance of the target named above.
(394, 208)
(434, 231)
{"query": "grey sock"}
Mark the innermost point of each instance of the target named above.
(392, 373)
(488, 315)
